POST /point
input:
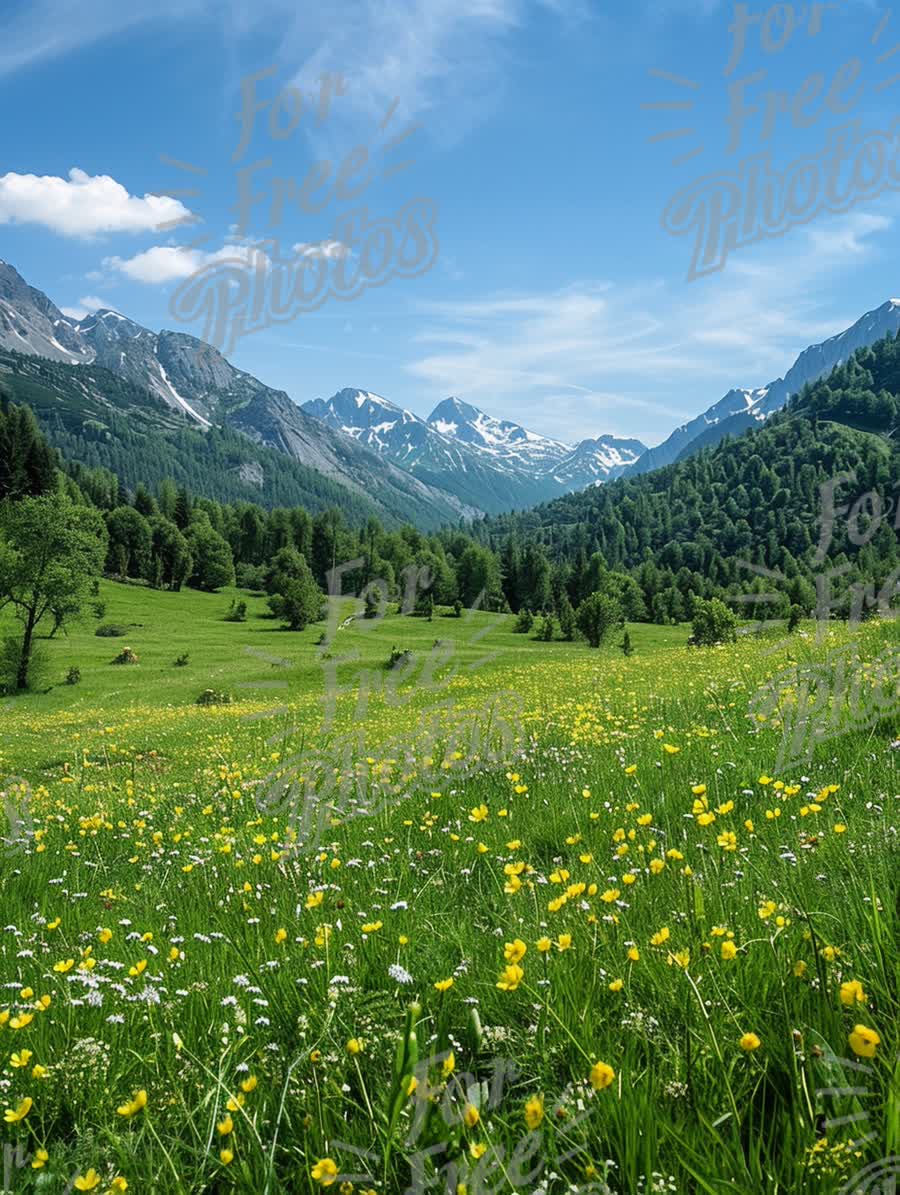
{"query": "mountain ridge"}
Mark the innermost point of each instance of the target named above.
(741, 409)
(195, 380)
(494, 463)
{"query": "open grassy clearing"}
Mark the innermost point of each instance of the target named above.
(619, 905)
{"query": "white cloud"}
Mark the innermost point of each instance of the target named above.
(81, 205)
(595, 357)
(162, 264)
(172, 263)
(327, 249)
(86, 305)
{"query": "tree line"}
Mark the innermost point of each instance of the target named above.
(739, 524)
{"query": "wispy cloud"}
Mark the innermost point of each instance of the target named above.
(162, 264)
(441, 57)
(591, 354)
(86, 305)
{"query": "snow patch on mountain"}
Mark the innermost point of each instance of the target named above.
(182, 402)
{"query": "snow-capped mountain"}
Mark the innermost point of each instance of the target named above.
(494, 464)
(370, 419)
(196, 381)
(741, 409)
(462, 422)
(601, 459)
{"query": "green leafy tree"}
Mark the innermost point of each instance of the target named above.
(299, 601)
(130, 542)
(286, 565)
(51, 553)
(713, 623)
(171, 552)
(478, 576)
(213, 563)
(597, 616)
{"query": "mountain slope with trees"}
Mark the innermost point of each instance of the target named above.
(708, 524)
(100, 419)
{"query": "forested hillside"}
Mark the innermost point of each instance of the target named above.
(694, 526)
(98, 418)
(743, 518)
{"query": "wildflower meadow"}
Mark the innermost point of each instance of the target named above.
(631, 956)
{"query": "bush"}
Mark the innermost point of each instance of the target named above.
(211, 697)
(73, 676)
(457, 609)
(181, 661)
(627, 648)
(597, 615)
(99, 610)
(111, 630)
(544, 630)
(566, 619)
(713, 623)
(237, 611)
(398, 659)
(125, 656)
(524, 621)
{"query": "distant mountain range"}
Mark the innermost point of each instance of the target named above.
(457, 463)
(195, 381)
(491, 463)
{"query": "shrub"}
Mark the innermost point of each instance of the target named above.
(627, 648)
(111, 630)
(596, 617)
(524, 621)
(457, 608)
(181, 661)
(125, 656)
(10, 659)
(713, 623)
(237, 611)
(211, 697)
(544, 630)
(398, 659)
(566, 619)
(298, 599)
(99, 610)
(73, 676)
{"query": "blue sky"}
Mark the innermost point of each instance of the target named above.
(557, 297)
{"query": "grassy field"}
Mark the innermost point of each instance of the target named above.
(557, 922)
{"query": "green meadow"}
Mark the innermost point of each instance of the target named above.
(557, 922)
